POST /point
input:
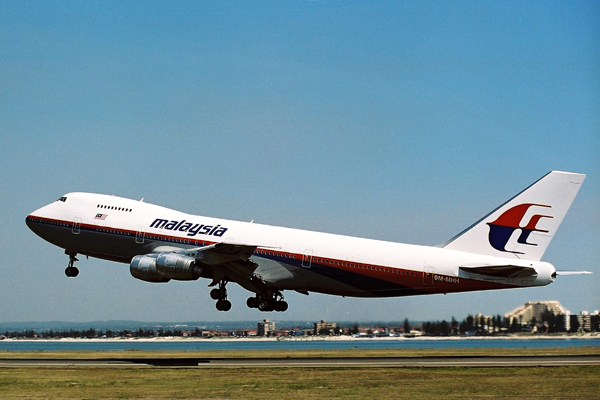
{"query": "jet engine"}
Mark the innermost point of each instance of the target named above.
(165, 266)
(144, 268)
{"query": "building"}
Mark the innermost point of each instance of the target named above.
(563, 322)
(535, 310)
(596, 321)
(265, 328)
(485, 323)
(587, 322)
(324, 328)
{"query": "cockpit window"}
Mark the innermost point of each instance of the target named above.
(63, 199)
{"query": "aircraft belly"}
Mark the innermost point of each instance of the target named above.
(345, 283)
(385, 282)
(290, 275)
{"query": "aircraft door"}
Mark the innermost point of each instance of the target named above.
(307, 258)
(76, 226)
(139, 236)
(428, 276)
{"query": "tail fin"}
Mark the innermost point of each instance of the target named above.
(523, 226)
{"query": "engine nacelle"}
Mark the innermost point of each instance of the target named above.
(164, 266)
(177, 266)
(144, 268)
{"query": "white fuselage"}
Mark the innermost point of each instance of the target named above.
(118, 229)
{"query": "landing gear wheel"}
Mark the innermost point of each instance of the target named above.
(215, 294)
(268, 301)
(223, 305)
(220, 294)
(252, 302)
(281, 306)
(71, 271)
(264, 305)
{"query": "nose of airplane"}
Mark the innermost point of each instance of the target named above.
(28, 221)
(35, 220)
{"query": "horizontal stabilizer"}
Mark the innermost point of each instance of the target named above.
(501, 271)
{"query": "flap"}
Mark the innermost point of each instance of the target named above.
(217, 253)
(220, 253)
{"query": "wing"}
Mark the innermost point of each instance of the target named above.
(229, 261)
(221, 262)
(221, 253)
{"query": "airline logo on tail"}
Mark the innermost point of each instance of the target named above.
(506, 224)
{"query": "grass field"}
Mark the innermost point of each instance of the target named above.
(299, 383)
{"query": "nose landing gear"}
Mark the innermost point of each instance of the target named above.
(71, 271)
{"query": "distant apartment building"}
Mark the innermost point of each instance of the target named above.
(265, 328)
(587, 322)
(564, 322)
(535, 310)
(484, 322)
(324, 328)
(596, 321)
(543, 311)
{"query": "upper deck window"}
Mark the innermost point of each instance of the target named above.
(114, 208)
(63, 199)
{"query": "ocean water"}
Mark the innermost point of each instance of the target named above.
(216, 344)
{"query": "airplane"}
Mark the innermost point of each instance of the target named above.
(500, 251)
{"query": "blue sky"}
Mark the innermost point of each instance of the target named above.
(403, 121)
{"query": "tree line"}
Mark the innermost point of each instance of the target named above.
(482, 325)
(471, 325)
(92, 333)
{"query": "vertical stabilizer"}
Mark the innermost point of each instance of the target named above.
(523, 226)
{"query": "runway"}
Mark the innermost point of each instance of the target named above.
(314, 362)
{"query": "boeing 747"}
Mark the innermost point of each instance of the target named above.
(501, 251)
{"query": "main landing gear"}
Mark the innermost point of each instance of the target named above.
(71, 271)
(220, 294)
(263, 302)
